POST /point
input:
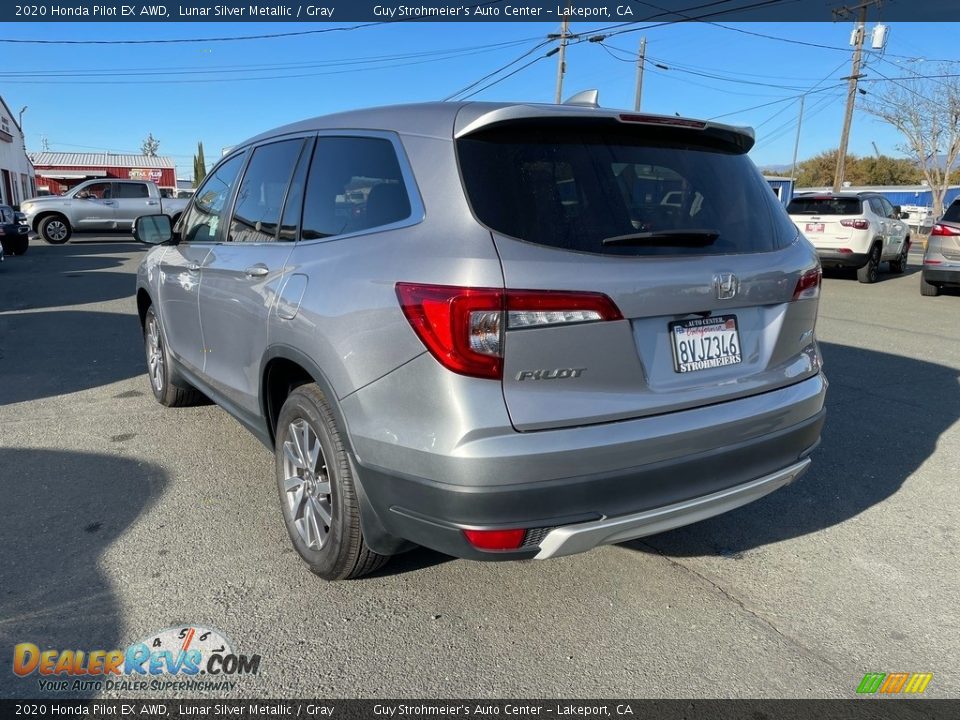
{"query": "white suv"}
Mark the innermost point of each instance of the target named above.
(858, 230)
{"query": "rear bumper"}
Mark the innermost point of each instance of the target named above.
(942, 276)
(580, 537)
(613, 481)
(832, 258)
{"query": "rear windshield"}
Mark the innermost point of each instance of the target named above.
(656, 190)
(953, 212)
(825, 206)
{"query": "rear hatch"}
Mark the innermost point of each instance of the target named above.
(947, 233)
(665, 274)
(829, 222)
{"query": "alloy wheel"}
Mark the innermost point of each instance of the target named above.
(155, 354)
(56, 230)
(307, 484)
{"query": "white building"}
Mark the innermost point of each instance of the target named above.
(17, 178)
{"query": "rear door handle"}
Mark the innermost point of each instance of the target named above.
(109, 202)
(258, 270)
(193, 267)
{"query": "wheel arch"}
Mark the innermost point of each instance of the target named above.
(284, 368)
(144, 301)
(43, 215)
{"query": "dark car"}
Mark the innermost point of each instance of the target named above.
(13, 233)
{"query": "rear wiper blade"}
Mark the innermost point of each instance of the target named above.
(666, 237)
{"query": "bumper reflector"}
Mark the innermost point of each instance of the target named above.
(495, 539)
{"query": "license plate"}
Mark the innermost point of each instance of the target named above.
(705, 343)
(814, 227)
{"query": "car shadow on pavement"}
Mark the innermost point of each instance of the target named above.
(885, 414)
(62, 511)
(44, 354)
(60, 276)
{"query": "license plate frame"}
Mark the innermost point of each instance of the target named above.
(715, 333)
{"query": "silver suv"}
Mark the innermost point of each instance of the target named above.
(502, 331)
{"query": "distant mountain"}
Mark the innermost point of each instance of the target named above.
(776, 169)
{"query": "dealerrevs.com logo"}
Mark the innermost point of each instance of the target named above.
(178, 658)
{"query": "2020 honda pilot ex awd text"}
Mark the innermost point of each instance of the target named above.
(479, 328)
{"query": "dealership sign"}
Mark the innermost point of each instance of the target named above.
(141, 174)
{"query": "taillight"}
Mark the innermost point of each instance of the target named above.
(808, 286)
(495, 539)
(932, 262)
(858, 224)
(463, 327)
(944, 231)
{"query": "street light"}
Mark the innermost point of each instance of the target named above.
(20, 117)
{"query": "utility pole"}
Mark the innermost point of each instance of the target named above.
(860, 33)
(641, 58)
(796, 144)
(562, 60)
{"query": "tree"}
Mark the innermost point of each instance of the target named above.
(926, 111)
(149, 146)
(199, 166)
(869, 170)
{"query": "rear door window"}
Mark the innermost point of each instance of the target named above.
(574, 187)
(132, 190)
(825, 206)
(355, 184)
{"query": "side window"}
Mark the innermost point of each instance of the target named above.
(97, 191)
(132, 190)
(877, 207)
(888, 211)
(203, 218)
(256, 214)
(355, 184)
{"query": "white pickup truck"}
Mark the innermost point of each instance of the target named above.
(97, 205)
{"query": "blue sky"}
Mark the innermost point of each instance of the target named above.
(224, 92)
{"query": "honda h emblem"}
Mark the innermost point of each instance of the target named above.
(727, 286)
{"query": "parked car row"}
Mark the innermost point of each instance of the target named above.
(862, 230)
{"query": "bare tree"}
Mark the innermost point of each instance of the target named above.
(925, 108)
(150, 146)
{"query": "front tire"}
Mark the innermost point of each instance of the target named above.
(317, 490)
(899, 265)
(55, 230)
(160, 365)
(871, 270)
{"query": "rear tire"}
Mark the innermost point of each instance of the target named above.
(871, 270)
(160, 366)
(899, 265)
(928, 289)
(55, 230)
(317, 491)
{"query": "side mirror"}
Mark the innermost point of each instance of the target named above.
(153, 229)
(904, 215)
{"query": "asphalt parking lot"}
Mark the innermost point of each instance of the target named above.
(120, 518)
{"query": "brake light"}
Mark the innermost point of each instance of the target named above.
(495, 539)
(463, 327)
(845, 251)
(858, 224)
(944, 231)
(808, 286)
(658, 120)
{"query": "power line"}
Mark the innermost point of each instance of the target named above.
(498, 70)
(510, 74)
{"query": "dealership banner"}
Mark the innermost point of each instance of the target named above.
(853, 709)
(380, 11)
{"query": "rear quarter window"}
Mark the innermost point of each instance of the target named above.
(953, 212)
(571, 187)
